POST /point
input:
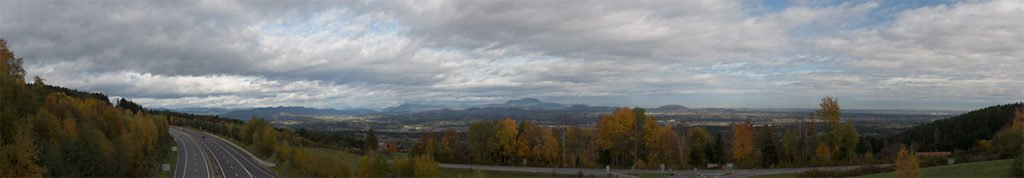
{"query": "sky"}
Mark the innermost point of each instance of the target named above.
(944, 55)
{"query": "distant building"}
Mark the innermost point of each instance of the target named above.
(933, 154)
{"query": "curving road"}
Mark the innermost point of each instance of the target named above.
(191, 160)
(204, 155)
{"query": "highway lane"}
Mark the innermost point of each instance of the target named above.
(191, 160)
(230, 161)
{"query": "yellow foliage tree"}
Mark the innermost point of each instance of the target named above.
(1018, 119)
(907, 164)
(425, 166)
(547, 151)
(616, 133)
(823, 153)
(742, 140)
(663, 147)
(18, 158)
(507, 142)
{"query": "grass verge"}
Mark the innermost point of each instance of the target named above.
(651, 175)
(172, 158)
(453, 172)
(997, 168)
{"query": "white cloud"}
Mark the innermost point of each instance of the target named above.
(381, 53)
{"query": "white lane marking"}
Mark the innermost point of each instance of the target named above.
(184, 170)
(236, 159)
(215, 160)
(221, 142)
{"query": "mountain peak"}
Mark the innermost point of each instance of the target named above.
(672, 107)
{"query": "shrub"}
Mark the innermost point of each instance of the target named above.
(425, 166)
(907, 164)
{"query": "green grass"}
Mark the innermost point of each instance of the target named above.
(351, 159)
(467, 173)
(787, 175)
(997, 168)
(651, 175)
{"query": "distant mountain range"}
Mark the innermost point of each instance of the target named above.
(519, 108)
(298, 112)
(289, 112)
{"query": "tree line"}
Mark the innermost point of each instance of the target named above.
(56, 132)
(628, 138)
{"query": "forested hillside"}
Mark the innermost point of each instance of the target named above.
(960, 132)
(53, 131)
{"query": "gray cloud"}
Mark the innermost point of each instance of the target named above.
(383, 53)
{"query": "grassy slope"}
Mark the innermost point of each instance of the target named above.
(353, 161)
(787, 175)
(651, 175)
(451, 172)
(997, 168)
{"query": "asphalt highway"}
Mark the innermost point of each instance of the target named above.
(191, 160)
(204, 155)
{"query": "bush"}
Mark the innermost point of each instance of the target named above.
(425, 166)
(1006, 143)
(863, 170)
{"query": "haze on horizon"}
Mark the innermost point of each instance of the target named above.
(955, 55)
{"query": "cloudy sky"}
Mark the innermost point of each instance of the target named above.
(956, 55)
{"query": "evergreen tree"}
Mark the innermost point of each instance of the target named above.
(767, 146)
(371, 140)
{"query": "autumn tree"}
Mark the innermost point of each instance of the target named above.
(57, 132)
(527, 138)
(907, 164)
(19, 157)
(505, 134)
(547, 151)
(450, 149)
(742, 141)
(617, 134)
(1017, 122)
(662, 147)
(425, 166)
(840, 138)
(581, 143)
